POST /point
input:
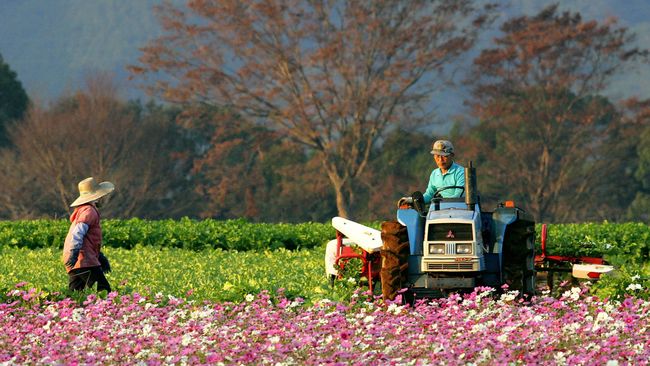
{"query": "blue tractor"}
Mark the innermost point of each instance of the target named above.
(453, 245)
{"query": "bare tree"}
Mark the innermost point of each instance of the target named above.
(91, 133)
(331, 75)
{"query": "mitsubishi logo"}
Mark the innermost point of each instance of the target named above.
(450, 234)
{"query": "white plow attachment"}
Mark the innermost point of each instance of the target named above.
(366, 238)
(590, 271)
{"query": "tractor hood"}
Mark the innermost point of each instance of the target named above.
(458, 212)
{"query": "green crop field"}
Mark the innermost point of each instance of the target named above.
(210, 274)
(225, 261)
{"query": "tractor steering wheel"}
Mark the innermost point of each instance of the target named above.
(438, 195)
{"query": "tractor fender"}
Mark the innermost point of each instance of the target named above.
(415, 227)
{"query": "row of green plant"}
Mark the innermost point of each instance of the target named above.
(630, 241)
(184, 233)
(210, 274)
(229, 275)
(619, 243)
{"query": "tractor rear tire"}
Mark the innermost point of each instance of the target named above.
(394, 258)
(519, 265)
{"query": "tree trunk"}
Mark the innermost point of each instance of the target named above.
(341, 202)
(337, 184)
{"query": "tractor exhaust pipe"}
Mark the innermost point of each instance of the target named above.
(470, 186)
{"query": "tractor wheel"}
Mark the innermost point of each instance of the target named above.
(394, 258)
(530, 275)
(519, 267)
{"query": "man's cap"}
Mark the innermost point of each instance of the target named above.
(442, 148)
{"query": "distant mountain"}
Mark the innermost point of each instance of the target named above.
(52, 44)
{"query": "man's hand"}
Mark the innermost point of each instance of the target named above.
(405, 202)
(72, 260)
(103, 261)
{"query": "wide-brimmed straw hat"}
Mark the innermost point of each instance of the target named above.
(89, 191)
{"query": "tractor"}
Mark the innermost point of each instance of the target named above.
(453, 246)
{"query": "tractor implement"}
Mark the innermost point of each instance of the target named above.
(368, 240)
(591, 268)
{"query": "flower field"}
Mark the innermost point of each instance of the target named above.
(477, 329)
(201, 304)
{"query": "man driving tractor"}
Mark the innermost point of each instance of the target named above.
(447, 174)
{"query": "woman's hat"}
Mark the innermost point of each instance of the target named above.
(89, 191)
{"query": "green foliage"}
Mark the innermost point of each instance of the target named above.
(640, 207)
(33, 233)
(626, 246)
(226, 260)
(612, 240)
(627, 280)
(211, 234)
(642, 173)
(630, 241)
(13, 98)
(221, 275)
(238, 257)
(184, 233)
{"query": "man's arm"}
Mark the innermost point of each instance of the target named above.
(460, 181)
(77, 234)
(431, 188)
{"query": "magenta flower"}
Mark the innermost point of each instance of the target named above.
(479, 328)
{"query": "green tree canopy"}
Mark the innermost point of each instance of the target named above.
(639, 209)
(13, 99)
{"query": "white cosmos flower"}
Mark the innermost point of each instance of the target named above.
(77, 314)
(394, 308)
(146, 329)
(634, 287)
(186, 340)
(602, 317)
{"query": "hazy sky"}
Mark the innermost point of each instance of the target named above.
(633, 14)
(52, 44)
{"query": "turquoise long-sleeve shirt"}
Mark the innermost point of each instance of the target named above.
(455, 176)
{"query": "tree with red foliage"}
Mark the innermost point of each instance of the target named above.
(546, 135)
(331, 76)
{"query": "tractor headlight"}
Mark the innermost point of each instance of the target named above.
(436, 249)
(463, 248)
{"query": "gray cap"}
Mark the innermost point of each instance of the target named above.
(442, 148)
